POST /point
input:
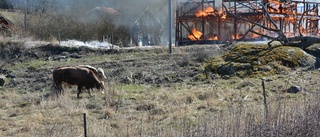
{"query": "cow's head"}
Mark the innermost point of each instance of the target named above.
(100, 74)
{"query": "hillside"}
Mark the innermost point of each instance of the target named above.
(150, 93)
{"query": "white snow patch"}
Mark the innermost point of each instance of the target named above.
(29, 43)
(91, 44)
(254, 42)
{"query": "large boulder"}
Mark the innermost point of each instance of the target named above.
(246, 60)
(315, 51)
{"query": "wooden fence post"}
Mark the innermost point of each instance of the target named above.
(265, 99)
(85, 124)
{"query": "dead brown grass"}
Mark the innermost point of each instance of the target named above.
(220, 107)
(183, 110)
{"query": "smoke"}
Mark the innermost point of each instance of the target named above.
(128, 11)
(59, 5)
(133, 9)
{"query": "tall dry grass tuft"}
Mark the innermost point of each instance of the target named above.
(56, 130)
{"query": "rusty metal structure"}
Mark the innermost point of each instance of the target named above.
(208, 21)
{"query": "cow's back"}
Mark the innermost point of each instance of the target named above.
(75, 75)
(70, 75)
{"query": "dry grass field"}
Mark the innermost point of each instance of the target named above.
(168, 96)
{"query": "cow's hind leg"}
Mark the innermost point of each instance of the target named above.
(58, 88)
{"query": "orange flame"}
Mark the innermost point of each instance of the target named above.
(303, 30)
(207, 11)
(201, 13)
(224, 16)
(254, 35)
(195, 34)
(214, 38)
(235, 37)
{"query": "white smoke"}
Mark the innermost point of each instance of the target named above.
(129, 11)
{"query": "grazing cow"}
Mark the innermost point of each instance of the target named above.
(80, 76)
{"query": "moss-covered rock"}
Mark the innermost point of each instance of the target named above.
(314, 50)
(259, 60)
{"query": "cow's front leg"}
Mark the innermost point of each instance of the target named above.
(89, 91)
(79, 91)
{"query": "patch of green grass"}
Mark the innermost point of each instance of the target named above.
(33, 64)
(132, 88)
(131, 92)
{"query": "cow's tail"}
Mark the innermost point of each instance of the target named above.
(57, 85)
(57, 88)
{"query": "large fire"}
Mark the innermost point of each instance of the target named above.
(195, 34)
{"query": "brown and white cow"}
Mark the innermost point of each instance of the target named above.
(80, 76)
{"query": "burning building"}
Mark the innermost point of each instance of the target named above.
(217, 21)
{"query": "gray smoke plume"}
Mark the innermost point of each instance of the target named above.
(130, 10)
(152, 15)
